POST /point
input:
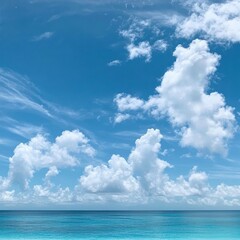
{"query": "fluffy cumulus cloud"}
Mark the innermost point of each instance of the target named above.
(142, 174)
(215, 21)
(140, 178)
(143, 49)
(127, 102)
(204, 119)
(195, 185)
(116, 177)
(40, 153)
(46, 193)
(7, 196)
(132, 175)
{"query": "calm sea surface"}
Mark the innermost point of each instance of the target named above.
(119, 225)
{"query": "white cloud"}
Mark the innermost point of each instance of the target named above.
(139, 48)
(204, 119)
(25, 130)
(224, 191)
(75, 141)
(143, 49)
(145, 153)
(141, 172)
(195, 185)
(114, 178)
(140, 178)
(165, 18)
(120, 117)
(222, 194)
(43, 36)
(232, 203)
(7, 196)
(160, 45)
(58, 196)
(41, 191)
(215, 21)
(135, 30)
(39, 153)
(53, 171)
(114, 63)
(127, 102)
(146, 165)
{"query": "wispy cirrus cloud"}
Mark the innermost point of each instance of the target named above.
(17, 92)
(114, 63)
(43, 36)
(25, 130)
(6, 142)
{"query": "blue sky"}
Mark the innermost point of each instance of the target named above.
(119, 104)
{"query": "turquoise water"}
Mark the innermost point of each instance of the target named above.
(119, 225)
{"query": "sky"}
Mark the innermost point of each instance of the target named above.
(127, 105)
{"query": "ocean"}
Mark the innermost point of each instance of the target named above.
(164, 225)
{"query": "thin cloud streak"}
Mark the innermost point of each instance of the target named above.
(43, 36)
(18, 93)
